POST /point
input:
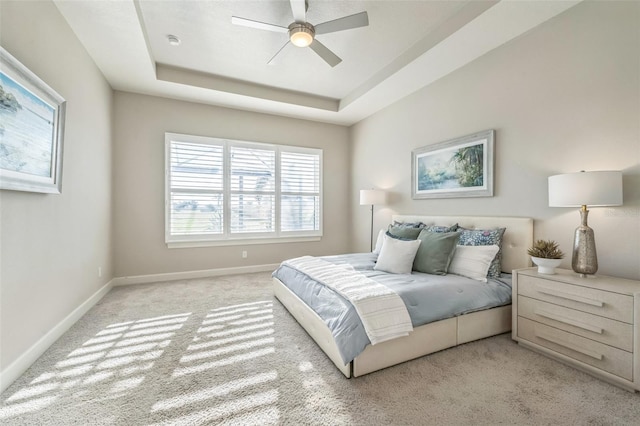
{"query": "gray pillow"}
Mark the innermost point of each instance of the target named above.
(435, 252)
(408, 224)
(403, 232)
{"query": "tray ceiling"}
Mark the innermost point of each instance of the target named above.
(406, 46)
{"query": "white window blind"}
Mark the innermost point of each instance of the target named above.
(220, 191)
(253, 198)
(196, 188)
(300, 186)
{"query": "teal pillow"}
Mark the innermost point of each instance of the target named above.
(435, 252)
(403, 232)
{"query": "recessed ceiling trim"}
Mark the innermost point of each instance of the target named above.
(467, 12)
(224, 84)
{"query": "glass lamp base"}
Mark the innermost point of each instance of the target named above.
(585, 259)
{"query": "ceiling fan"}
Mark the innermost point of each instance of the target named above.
(303, 34)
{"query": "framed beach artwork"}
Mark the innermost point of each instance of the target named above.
(461, 167)
(31, 130)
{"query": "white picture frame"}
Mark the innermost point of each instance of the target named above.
(460, 167)
(32, 118)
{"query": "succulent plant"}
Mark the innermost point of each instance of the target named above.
(546, 249)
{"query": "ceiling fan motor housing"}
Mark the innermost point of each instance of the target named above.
(301, 34)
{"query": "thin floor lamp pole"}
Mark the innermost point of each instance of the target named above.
(371, 197)
(371, 227)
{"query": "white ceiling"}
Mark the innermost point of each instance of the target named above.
(407, 45)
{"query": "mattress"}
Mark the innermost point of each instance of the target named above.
(428, 298)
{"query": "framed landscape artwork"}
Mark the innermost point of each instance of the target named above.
(461, 167)
(31, 130)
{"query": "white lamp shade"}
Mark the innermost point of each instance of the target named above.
(372, 196)
(595, 189)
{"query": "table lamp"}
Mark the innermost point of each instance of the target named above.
(582, 189)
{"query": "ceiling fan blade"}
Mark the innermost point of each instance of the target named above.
(273, 60)
(299, 10)
(322, 51)
(345, 23)
(258, 25)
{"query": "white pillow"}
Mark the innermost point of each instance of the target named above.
(473, 261)
(379, 241)
(396, 256)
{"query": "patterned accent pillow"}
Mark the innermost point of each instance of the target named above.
(440, 229)
(485, 237)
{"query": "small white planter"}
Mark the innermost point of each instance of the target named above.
(546, 266)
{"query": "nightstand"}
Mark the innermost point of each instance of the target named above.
(589, 323)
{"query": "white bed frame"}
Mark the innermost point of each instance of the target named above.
(435, 336)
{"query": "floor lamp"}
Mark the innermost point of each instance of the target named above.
(371, 197)
(582, 189)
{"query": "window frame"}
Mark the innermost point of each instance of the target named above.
(227, 238)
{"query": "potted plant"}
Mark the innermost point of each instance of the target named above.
(546, 255)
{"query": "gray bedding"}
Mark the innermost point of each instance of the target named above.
(428, 298)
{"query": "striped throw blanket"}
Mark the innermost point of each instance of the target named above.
(383, 313)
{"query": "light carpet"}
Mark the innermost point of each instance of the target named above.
(224, 351)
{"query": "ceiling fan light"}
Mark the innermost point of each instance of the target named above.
(301, 39)
(301, 35)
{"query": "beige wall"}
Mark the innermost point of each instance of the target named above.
(140, 124)
(562, 98)
(52, 245)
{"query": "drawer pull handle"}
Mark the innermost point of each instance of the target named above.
(583, 351)
(569, 321)
(570, 296)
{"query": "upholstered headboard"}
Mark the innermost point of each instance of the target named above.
(517, 238)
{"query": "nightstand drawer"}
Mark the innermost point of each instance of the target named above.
(603, 303)
(594, 327)
(599, 355)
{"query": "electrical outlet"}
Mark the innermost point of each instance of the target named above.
(99, 271)
(244, 254)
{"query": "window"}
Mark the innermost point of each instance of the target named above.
(222, 191)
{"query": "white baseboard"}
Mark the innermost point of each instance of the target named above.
(172, 276)
(20, 365)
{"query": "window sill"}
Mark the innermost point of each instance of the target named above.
(240, 242)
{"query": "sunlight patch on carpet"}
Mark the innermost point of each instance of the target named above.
(238, 406)
(231, 348)
(215, 391)
(239, 330)
(122, 350)
(220, 342)
(221, 363)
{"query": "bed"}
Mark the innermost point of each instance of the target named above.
(430, 337)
